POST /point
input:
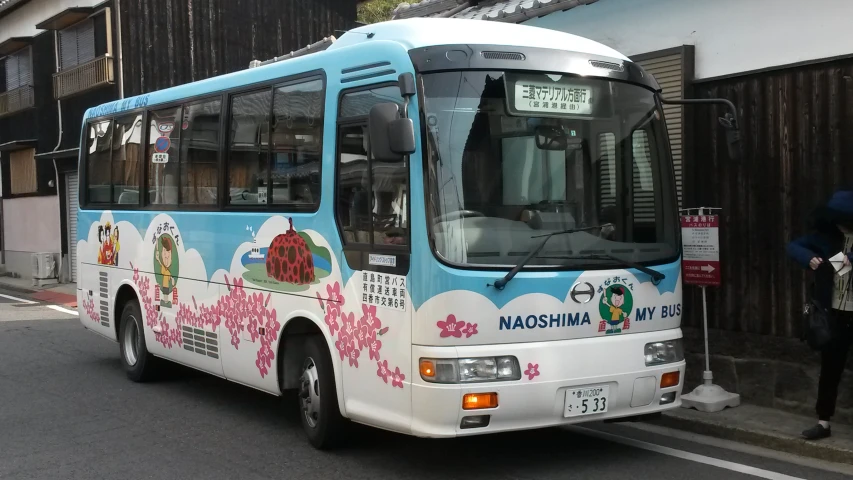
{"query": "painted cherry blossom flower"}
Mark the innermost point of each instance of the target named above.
(272, 324)
(451, 327)
(262, 368)
(342, 343)
(470, 330)
(373, 346)
(532, 371)
(332, 323)
(369, 318)
(383, 372)
(397, 378)
(350, 326)
(336, 300)
(362, 334)
(353, 354)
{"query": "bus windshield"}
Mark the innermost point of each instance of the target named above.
(513, 156)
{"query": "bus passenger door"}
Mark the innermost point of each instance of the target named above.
(374, 341)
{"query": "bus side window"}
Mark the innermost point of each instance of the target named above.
(163, 149)
(200, 153)
(372, 197)
(98, 161)
(354, 201)
(126, 159)
(297, 143)
(248, 153)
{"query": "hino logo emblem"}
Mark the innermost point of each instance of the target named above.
(580, 294)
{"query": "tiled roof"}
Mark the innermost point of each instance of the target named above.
(513, 11)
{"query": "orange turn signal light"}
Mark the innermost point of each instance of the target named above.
(427, 368)
(478, 401)
(669, 379)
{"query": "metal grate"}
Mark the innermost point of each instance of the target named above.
(616, 67)
(504, 56)
(104, 289)
(201, 342)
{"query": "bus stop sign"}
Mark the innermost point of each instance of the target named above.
(700, 240)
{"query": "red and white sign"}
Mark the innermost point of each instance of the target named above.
(700, 240)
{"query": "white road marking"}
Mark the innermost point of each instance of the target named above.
(781, 456)
(63, 310)
(693, 457)
(21, 300)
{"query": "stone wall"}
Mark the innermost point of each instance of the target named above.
(767, 371)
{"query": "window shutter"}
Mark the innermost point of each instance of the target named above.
(25, 74)
(86, 42)
(77, 44)
(68, 48)
(13, 79)
(668, 71)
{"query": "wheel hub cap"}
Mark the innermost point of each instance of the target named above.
(309, 392)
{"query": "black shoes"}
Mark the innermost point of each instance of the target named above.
(817, 432)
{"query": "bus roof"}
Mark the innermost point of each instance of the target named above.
(410, 34)
(425, 32)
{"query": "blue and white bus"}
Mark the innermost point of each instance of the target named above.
(436, 227)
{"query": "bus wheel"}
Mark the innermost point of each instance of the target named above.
(318, 398)
(137, 362)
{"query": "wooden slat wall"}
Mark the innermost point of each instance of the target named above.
(796, 126)
(171, 42)
(22, 169)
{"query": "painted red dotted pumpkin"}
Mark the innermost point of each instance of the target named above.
(289, 259)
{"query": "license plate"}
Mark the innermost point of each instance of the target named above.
(587, 401)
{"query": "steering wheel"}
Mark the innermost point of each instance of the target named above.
(458, 214)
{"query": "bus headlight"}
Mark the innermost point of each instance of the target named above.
(470, 370)
(659, 353)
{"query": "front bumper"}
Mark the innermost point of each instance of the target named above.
(538, 399)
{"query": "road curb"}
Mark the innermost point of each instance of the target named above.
(16, 288)
(758, 438)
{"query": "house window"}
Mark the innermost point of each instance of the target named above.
(22, 170)
(77, 44)
(19, 72)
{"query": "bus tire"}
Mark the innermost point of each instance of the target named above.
(138, 363)
(318, 397)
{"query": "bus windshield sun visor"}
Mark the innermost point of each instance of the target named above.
(501, 283)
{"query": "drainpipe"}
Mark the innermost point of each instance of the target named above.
(119, 57)
(58, 144)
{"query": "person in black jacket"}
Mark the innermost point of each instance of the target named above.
(832, 234)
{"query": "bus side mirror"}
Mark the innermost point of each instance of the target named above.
(391, 137)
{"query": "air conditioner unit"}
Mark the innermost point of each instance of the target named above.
(44, 266)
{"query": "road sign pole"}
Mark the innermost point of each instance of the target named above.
(701, 254)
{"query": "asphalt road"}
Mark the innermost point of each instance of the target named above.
(68, 411)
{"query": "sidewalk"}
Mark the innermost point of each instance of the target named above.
(61, 294)
(764, 427)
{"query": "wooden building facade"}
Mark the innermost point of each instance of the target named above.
(56, 61)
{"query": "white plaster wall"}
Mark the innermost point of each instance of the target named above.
(730, 36)
(31, 224)
(22, 22)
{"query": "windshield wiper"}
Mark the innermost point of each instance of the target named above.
(501, 283)
(657, 276)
